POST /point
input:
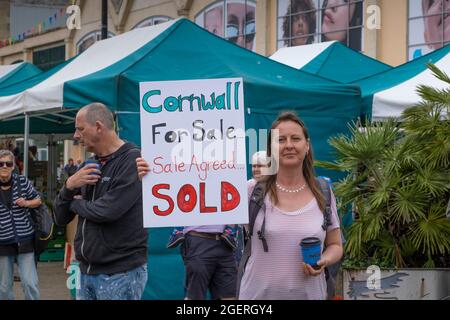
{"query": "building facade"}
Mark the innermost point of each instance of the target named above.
(392, 31)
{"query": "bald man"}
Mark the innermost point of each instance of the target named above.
(110, 242)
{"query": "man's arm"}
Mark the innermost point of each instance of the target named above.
(63, 215)
(88, 175)
(125, 190)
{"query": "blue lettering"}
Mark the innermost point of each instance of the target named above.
(171, 104)
(148, 107)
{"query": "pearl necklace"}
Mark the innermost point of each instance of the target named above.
(290, 190)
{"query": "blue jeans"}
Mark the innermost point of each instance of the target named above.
(27, 272)
(128, 285)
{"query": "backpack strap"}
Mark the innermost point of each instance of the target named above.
(326, 192)
(255, 205)
(19, 185)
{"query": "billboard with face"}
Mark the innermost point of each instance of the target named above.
(308, 21)
(428, 26)
(234, 20)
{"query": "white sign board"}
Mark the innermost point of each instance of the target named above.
(193, 137)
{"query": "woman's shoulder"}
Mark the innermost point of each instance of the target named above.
(19, 176)
(251, 183)
(22, 179)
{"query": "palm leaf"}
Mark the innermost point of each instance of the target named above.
(431, 235)
(408, 204)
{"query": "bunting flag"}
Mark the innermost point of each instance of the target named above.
(40, 27)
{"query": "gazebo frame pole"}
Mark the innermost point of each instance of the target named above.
(25, 145)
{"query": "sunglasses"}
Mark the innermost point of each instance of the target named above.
(9, 164)
(249, 31)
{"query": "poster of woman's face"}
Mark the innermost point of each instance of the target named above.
(428, 27)
(240, 26)
(308, 21)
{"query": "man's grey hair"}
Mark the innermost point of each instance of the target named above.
(99, 112)
(6, 153)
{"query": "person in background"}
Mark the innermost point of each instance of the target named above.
(70, 168)
(79, 164)
(32, 153)
(259, 161)
(17, 230)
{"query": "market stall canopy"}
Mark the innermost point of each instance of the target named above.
(387, 94)
(15, 73)
(331, 60)
(48, 94)
(42, 122)
(110, 72)
(183, 50)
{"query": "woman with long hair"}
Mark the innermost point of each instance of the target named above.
(292, 211)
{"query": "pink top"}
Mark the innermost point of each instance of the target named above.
(278, 274)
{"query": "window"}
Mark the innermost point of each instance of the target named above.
(151, 21)
(240, 21)
(428, 26)
(308, 21)
(48, 58)
(89, 39)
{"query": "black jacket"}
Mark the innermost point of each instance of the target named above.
(110, 234)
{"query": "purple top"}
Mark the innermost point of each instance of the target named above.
(278, 274)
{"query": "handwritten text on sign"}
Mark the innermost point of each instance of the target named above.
(193, 138)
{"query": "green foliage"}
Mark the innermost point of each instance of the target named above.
(398, 184)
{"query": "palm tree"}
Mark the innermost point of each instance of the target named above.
(398, 184)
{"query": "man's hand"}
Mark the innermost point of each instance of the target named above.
(89, 174)
(21, 202)
(142, 167)
(310, 271)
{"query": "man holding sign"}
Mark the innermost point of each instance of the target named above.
(106, 194)
(193, 138)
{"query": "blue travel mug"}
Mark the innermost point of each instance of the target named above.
(93, 161)
(311, 251)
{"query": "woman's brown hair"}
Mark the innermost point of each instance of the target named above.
(308, 167)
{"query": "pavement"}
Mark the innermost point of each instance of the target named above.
(52, 282)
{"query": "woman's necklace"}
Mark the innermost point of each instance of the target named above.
(290, 190)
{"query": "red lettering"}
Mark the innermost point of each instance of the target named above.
(189, 205)
(223, 165)
(203, 207)
(229, 204)
(155, 193)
